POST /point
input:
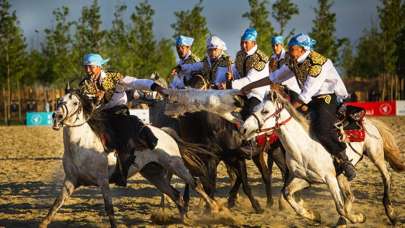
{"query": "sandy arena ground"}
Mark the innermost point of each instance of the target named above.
(31, 174)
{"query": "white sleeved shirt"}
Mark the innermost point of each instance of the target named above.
(220, 75)
(127, 83)
(290, 83)
(327, 82)
(178, 79)
(251, 76)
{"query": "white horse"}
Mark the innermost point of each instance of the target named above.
(85, 161)
(310, 163)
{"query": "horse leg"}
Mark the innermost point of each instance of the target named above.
(277, 155)
(377, 157)
(242, 173)
(348, 200)
(105, 190)
(295, 185)
(162, 197)
(266, 175)
(233, 193)
(177, 167)
(157, 175)
(338, 197)
(67, 190)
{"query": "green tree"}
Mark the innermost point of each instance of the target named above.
(347, 58)
(142, 39)
(400, 43)
(323, 31)
(367, 62)
(283, 10)
(57, 50)
(192, 23)
(89, 36)
(12, 47)
(117, 43)
(390, 24)
(259, 19)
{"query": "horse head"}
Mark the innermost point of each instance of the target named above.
(72, 109)
(264, 118)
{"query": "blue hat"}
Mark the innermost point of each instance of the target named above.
(277, 40)
(184, 40)
(249, 34)
(94, 59)
(302, 40)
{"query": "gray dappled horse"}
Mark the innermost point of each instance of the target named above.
(85, 161)
(310, 163)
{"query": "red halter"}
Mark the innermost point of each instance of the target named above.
(276, 114)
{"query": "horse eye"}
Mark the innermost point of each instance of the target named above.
(264, 112)
(75, 103)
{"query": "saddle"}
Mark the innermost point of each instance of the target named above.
(350, 123)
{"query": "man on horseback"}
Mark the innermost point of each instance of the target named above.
(251, 65)
(213, 68)
(183, 48)
(278, 59)
(117, 129)
(321, 90)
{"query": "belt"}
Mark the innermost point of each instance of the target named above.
(326, 97)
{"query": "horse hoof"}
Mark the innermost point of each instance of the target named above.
(259, 210)
(316, 216)
(342, 223)
(231, 203)
(43, 224)
(270, 203)
(361, 218)
(391, 214)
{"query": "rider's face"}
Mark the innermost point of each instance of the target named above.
(277, 48)
(214, 53)
(295, 51)
(182, 51)
(92, 70)
(247, 45)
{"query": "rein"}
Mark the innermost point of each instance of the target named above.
(77, 111)
(276, 115)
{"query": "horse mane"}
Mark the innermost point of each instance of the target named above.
(293, 112)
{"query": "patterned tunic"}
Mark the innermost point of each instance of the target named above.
(249, 67)
(113, 85)
(209, 70)
(315, 75)
(245, 63)
(311, 66)
(107, 85)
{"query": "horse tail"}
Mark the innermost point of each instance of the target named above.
(193, 154)
(392, 153)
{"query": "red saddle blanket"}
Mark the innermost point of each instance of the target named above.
(261, 139)
(354, 135)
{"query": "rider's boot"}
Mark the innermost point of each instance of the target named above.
(347, 167)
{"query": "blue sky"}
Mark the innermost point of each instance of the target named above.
(223, 16)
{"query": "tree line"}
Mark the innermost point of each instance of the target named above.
(135, 50)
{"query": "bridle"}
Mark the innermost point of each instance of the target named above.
(276, 115)
(69, 115)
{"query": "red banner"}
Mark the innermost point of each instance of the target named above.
(383, 108)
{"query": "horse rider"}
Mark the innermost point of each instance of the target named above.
(214, 67)
(321, 91)
(118, 128)
(183, 48)
(278, 59)
(251, 64)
